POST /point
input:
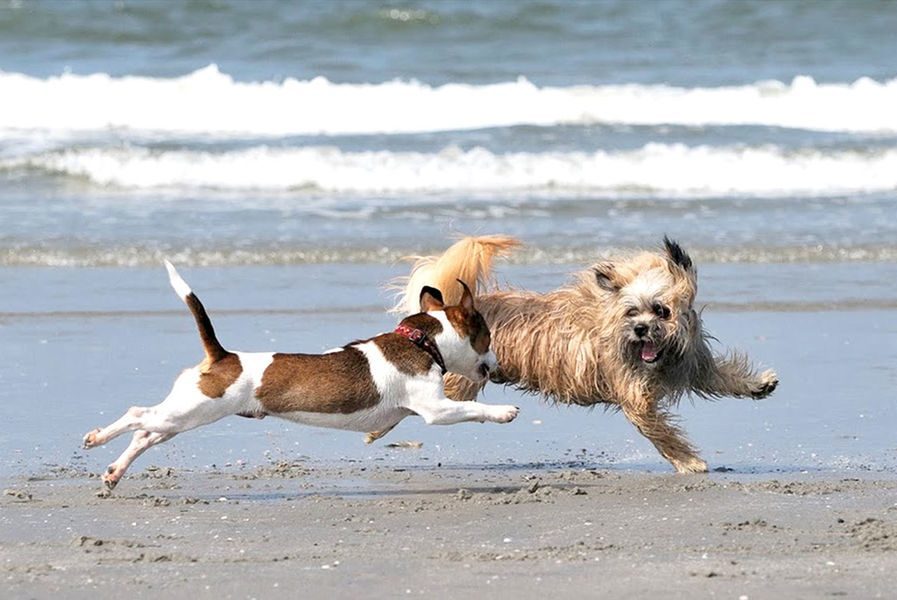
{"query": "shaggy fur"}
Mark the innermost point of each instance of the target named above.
(624, 333)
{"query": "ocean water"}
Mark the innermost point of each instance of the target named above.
(291, 153)
(268, 132)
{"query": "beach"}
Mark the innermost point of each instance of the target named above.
(384, 532)
(800, 500)
(289, 157)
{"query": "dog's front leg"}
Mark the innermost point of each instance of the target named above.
(733, 375)
(442, 411)
(669, 439)
(373, 436)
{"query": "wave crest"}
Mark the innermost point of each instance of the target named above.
(654, 170)
(209, 102)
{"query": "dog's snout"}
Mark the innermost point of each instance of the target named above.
(640, 329)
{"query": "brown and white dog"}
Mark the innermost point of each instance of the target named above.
(368, 385)
(624, 333)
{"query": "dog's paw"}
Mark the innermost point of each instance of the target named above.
(765, 385)
(373, 436)
(108, 486)
(503, 414)
(111, 478)
(90, 440)
(690, 465)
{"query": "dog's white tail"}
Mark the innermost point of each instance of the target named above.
(469, 259)
(177, 282)
(213, 348)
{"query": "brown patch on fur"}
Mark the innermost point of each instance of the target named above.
(338, 382)
(216, 376)
(575, 344)
(220, 368)
(470, 325)
(405, 355)
(426, 323)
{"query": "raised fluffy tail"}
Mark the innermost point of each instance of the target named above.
(214, 350)
(469, 259)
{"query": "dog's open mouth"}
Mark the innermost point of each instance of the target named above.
(649, 352)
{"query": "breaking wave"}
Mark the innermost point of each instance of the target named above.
(209, 102)
(655, 169)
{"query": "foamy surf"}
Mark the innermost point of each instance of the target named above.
(654, 170)
(209, 102)
(75, 254)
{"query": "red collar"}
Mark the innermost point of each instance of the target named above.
(422, 341)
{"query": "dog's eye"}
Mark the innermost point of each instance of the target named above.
(661, 311)
(632, 312)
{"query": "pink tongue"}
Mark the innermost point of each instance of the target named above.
(649, 351)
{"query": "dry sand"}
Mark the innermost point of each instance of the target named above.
(377, 531)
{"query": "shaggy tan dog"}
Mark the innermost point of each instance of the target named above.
(624, 332)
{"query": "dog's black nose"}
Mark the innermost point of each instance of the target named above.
(640, 330)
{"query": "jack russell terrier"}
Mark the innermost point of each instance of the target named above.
(368, 385)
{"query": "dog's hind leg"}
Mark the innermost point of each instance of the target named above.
(154, 419)
(669, 439)
(185, 408)
(733, 375)
(128, 422)
(140, 443)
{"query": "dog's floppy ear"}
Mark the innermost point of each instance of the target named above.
(677, 255)
(606, 277)
(466, 298)
(431, 299)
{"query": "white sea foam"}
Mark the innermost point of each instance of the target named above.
(209, 102)
(655, 169)
(73, 254)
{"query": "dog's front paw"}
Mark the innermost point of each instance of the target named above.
(690, 465)
(503, 414)
(90, 440)
(765, 385)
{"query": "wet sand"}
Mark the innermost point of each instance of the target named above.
(384, 531)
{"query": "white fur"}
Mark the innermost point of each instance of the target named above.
(646, 287)
(177, 282)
